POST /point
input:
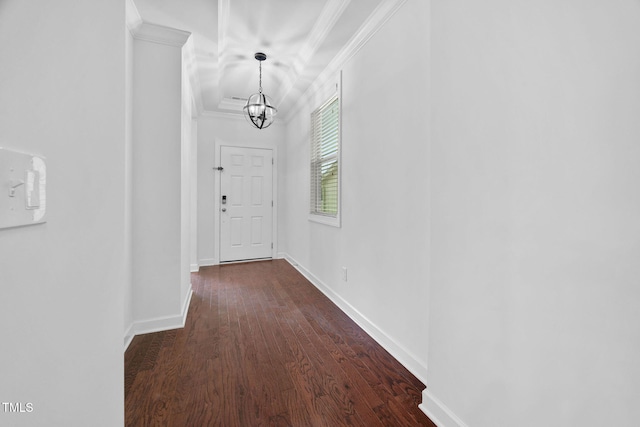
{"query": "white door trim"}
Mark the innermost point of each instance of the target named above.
(217, 195)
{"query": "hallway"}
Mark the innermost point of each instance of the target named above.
(262, 346)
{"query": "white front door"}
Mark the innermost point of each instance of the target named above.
(246, 205)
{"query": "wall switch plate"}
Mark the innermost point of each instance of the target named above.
(344, 273)
(23, 180)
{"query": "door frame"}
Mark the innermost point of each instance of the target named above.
(219, 143)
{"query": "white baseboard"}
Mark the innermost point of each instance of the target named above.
(195, 268)
(128, 336)
(438, 412)
(158, 324)
(206, 262)
(401, 354)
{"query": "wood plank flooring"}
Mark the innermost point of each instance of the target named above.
(263, 347)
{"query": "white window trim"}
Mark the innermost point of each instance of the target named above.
(334, 221)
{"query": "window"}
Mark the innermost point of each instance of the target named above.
(325, 162)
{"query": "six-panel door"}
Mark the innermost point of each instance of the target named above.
(246, 206)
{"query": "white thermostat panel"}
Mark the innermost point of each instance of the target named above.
(23, 184)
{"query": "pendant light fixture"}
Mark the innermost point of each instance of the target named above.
(259, 109)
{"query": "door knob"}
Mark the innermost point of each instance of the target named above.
(224, 209)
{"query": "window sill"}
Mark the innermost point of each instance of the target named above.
(326, 220)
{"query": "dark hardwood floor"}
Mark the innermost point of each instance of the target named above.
(263, 347)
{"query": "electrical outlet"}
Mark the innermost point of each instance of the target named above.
(344, 273)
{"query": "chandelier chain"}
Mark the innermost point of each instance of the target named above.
(260, 84)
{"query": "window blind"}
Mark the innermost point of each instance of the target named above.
(325, 144)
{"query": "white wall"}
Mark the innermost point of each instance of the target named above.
(228, 131)
(383, 241)
(62, 96)
(131, 17)
(161, 180)
(193, 205)
(535, 206)
(186, 179)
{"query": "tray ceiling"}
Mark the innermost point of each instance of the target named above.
(301, 38)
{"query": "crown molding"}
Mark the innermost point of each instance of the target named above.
(235, 105)
(229, 115)
(378, 18)
(222, 115)
(160, 34)
(155, 33)
(332, 11)
(372, 25)
(132, 16)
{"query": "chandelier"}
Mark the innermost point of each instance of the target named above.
(259, 109)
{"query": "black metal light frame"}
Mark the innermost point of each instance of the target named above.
(259, 109)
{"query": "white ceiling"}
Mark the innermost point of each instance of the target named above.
(299, 37)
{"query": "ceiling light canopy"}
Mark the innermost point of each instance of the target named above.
(259, 109)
